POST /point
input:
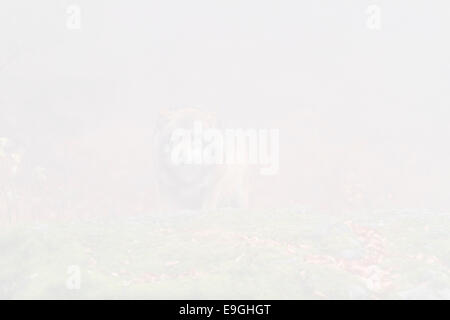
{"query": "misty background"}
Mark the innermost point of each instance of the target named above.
(363, 114)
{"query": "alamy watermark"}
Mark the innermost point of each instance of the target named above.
(73, 20)
(203, 145)
(73, 281)
(374, 21)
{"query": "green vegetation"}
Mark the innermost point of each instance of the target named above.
(279, 254)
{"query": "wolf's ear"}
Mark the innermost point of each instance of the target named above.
(166, 114)
(163, 117)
